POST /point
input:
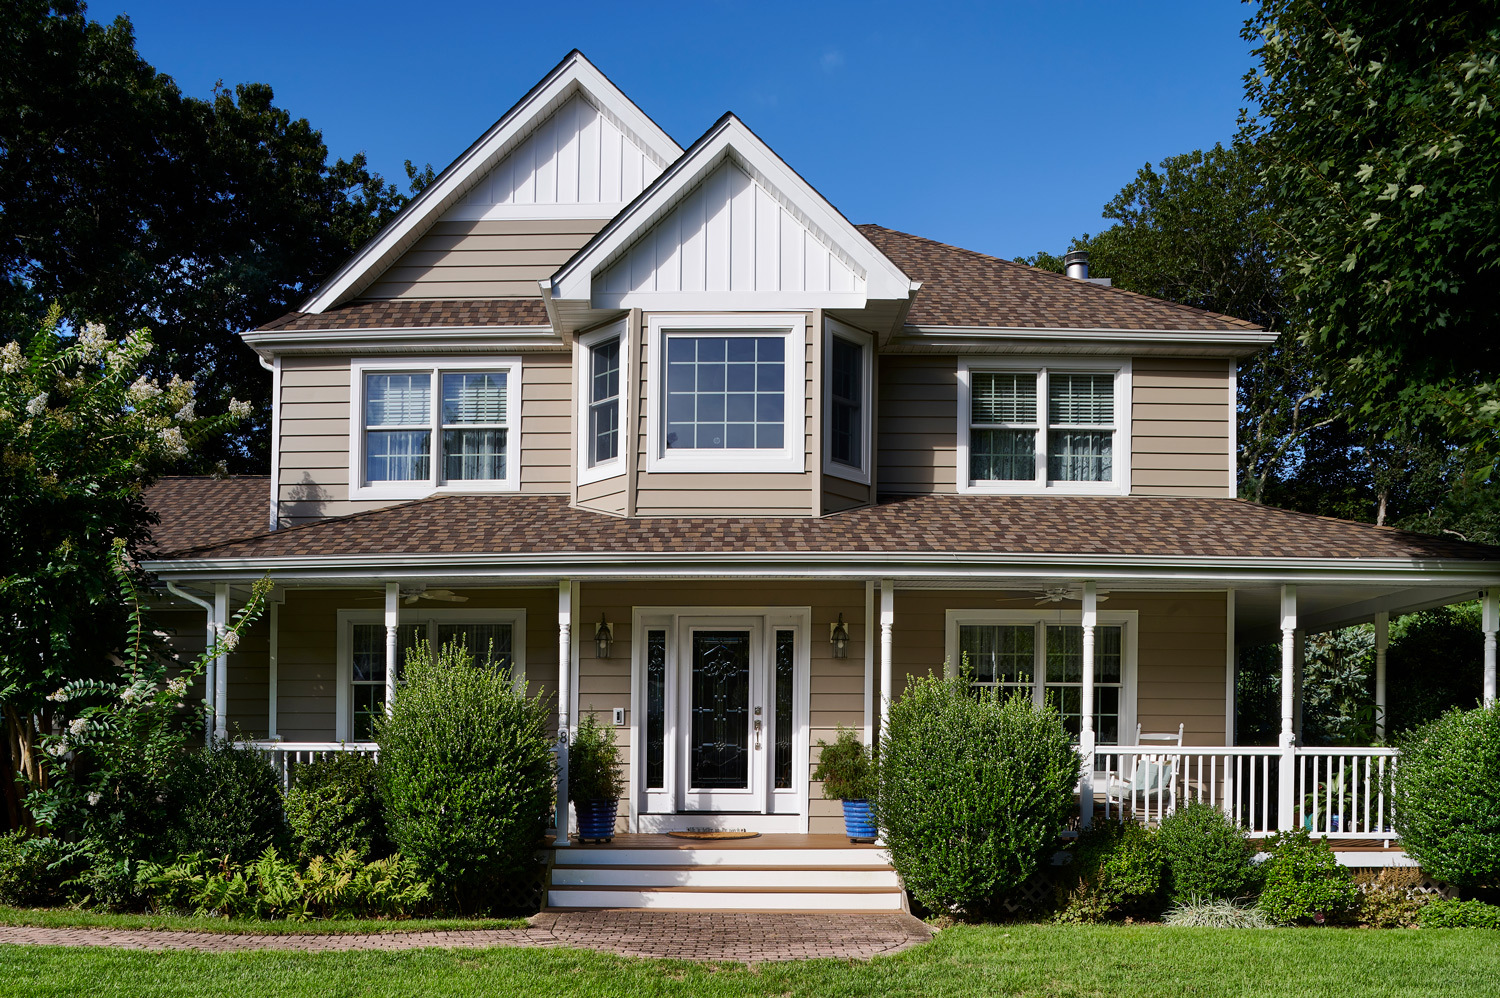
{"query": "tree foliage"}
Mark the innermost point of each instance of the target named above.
(131, 204)
(1382, 156)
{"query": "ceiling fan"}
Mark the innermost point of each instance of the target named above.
(411, 594)
(1055, 594)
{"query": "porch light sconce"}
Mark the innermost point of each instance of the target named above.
(604, 638)
(838, 636)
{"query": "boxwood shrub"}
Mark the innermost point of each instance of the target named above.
(1116, 870)
(466, 775)
(1304, 882)
(232, 804)
(1207, 855)
(333, 806)
(973, 791)
(1447, 796)
(1447, 913)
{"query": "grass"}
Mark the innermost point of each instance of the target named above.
(1025, 960)
(77, 918)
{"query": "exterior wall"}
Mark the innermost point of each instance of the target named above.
(916, 427)
(1180, 652)
(1181, 427)
(484, 259)
(840, 494)
(679, 494)
(315, 433)
(604, 496)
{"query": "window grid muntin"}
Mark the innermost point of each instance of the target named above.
(749, 385)
(604, 401)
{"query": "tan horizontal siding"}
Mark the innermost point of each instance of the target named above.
(606, 496)
(840, 494)
(483, 259)
(1181, 427)
(917, 434)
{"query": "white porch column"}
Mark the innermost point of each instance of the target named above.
(1490, 619)
(564, 700)
(1285, 791)
(221, 664)
(1382, 642)
(887, 625)
(272, 721)
(870, 691)
(1230, 802)
(392, 624)
(1086, 709)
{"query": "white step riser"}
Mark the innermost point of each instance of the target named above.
(781, 858)
(717, 901)
(790, 880)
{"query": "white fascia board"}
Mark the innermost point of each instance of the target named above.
(574, 73)
(402, 339)
(731, 138)
(903, 565)
(1097, 340)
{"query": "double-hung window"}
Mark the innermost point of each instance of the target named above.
(847, 365)
(1062, 427)
(602, 365)
(727, 393)
(420, 427)
(1041, 657)
(493, 637)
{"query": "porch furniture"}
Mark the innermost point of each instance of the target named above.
(1152, 783)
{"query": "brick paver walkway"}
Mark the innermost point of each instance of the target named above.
(729, 936)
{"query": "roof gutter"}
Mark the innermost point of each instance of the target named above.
(400, 339)
(1218, 342)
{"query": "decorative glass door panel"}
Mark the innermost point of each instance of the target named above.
(721, 736)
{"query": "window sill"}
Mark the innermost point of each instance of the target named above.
(1038, 489)
(381, 493)
(680, 462)
(604, 472)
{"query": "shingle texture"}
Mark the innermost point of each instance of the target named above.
(197, 511)
(963, 288)
(401, 314)
(936, 524)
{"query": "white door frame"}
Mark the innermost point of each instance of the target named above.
(772, 810)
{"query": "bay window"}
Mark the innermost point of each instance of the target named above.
(1031, 427)
(419, 427)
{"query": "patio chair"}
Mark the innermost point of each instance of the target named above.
(1151, 786)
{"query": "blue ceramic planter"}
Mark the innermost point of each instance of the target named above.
(859, 821)
(596, 819)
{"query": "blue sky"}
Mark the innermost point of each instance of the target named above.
(1003, 127)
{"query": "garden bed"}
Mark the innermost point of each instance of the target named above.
(78, 918)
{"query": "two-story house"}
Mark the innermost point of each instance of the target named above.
(671, 440)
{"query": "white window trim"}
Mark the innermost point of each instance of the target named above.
(834, 328)
(1128, 620)
(1119, 485)
(608, 469)
(791, 458)
(360, 489)
(344, 685)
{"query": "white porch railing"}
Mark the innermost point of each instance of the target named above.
(1339, 793)
(286, 756)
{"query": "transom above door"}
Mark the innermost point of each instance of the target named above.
(721, 718)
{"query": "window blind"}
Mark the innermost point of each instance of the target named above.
(1002, 398)
(398, 399)
(1081, 399)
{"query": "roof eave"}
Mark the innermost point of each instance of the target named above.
(1204, 342)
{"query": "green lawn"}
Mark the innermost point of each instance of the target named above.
(69, 918)
(962, 961)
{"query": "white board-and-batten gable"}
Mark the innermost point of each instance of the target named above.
(729, 226)
(574, 147)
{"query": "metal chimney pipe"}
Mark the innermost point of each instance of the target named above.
(1076, 262)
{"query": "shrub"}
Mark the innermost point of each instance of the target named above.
(274, 888)
(465, 775)
(1303, 880)
(1222, 913)
(232, 804)
(1450, 914)
(592, 770)
(845, 768)
(25, 880)
(1446, 796)
(1391, 900)
(1207, 855)
(973, 790)
(333, 806)
(1116, 870)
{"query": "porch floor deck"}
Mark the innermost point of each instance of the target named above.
(769, 840)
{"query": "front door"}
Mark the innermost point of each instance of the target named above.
(721, 725)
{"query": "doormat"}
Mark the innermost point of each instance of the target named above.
(708, 833)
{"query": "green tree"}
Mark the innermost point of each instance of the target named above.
(133, 205)
(82, 432)
(1382, 156)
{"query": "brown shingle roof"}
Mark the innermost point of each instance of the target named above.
(963, 288)
(197, 511)
(936, 524)
(404, 314)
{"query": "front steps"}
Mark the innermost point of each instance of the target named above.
(826, 877)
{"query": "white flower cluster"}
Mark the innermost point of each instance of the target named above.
(77, 726)
(240, 410)
(188, 412)
(142, 390)
(230, 640)
(37, 406)
(92, 342)
(59, 749)
(11, 359)
(131, 694)
(177, 687)
(173, 441)
(61, 696)
(94, 798)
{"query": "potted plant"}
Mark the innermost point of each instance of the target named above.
(594, 784)
(848, 774)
